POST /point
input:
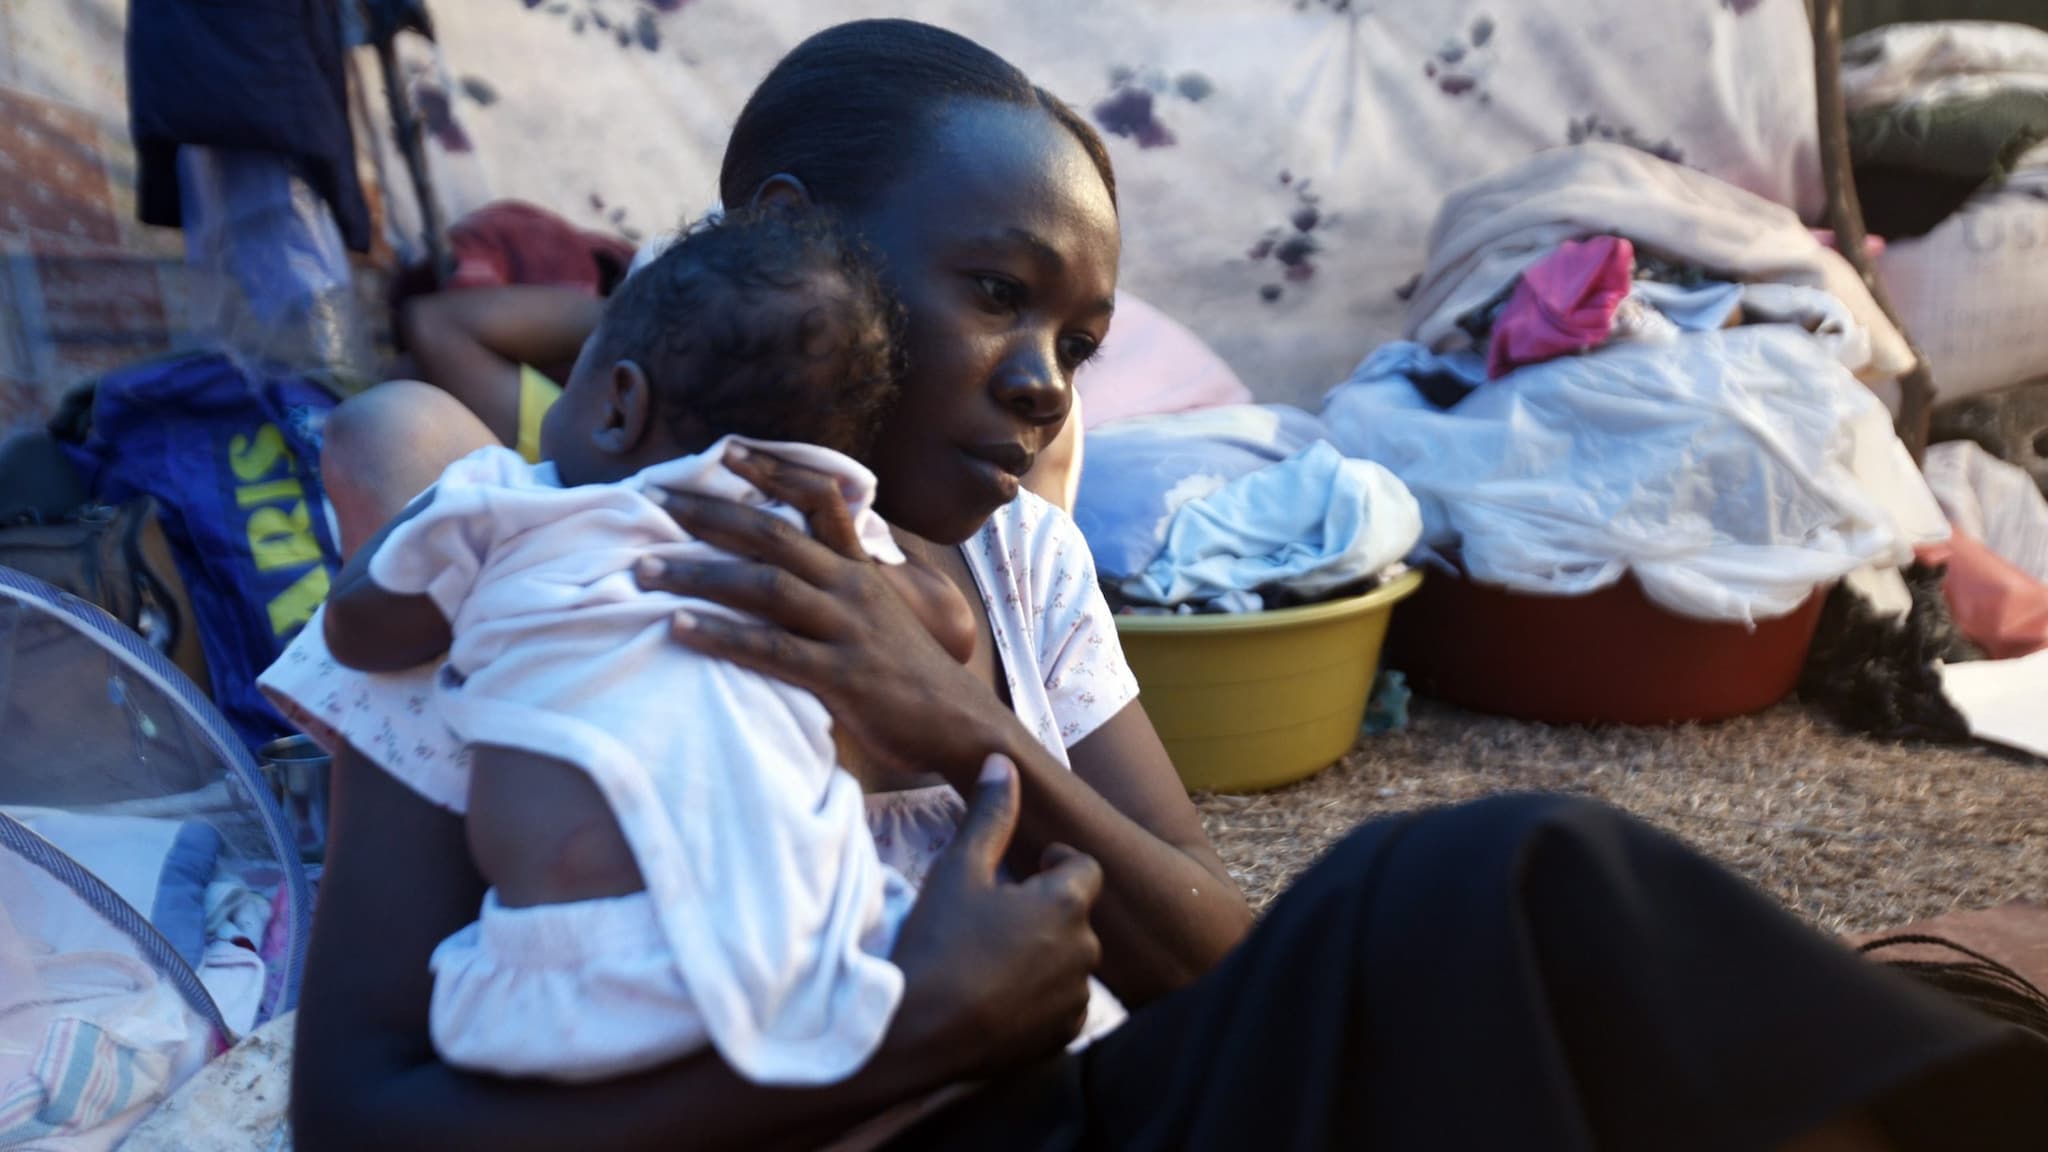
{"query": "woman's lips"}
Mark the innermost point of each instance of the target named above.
(1000, 467)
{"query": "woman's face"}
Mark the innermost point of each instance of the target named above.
(1001, 243)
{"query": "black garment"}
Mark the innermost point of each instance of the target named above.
(1534, 973)
(1882, 676)
(1915, 164)
(265, 75)
(1899, 203)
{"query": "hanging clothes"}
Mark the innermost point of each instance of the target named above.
(259, 75)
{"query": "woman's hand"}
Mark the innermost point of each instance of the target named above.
(832, 623)
(996, 972)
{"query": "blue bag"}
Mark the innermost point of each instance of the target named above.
(232, 459)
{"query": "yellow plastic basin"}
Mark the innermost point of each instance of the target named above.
(1253, 701)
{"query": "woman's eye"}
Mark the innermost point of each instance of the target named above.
(1001, 291)
(1078, 350)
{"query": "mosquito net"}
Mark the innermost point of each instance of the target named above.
(153, 905)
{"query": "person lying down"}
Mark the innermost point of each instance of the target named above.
(676, 852)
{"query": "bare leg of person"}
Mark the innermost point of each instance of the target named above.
(385, 446)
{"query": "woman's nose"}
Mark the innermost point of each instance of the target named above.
(1032, 386)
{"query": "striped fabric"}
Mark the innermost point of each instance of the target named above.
(83, 1077)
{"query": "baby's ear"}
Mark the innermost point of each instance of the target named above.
(629, 409)
(781, 192)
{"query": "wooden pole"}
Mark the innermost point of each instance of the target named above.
(1845, 216)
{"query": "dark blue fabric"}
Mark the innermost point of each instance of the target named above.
(233, 461)
(256, 74)
(1540, 973)
(180, 909)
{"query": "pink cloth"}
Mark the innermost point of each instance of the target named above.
(1998, 607)
(1150, 365)
(1564, 304)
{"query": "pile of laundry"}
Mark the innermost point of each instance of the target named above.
(1617, 366)
(1237, 508)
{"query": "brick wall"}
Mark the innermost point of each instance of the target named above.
(83, 287)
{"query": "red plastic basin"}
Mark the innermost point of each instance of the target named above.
(1611, 657)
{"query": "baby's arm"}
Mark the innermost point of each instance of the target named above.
(937, 604)
(373, 629)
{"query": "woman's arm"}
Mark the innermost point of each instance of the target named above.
(1169, 910)
(994, 973)
(470, 344)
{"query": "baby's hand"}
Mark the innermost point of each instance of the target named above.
(937, 604)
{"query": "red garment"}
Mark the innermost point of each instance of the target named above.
(513, 242)
(1997, 606)
(1564, 304)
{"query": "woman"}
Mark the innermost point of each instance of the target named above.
(1535, 971)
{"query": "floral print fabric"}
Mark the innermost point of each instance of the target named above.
(1279, 161)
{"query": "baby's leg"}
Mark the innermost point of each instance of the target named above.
(542, 833)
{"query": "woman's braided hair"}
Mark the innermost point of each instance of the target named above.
(1978, 981)
(845, 110)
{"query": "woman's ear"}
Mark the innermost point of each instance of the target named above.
(628, 410)
(781, 190)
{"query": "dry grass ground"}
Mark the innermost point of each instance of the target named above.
(1853, 834)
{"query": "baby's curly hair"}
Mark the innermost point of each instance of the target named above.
(771, 324)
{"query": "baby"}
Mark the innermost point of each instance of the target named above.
(677, 855)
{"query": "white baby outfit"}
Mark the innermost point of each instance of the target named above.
(1054, 637)
(767, 918)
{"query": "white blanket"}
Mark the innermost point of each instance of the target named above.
(1141, 472)
(1730, 471)
(1310, 525)
(1488, 233)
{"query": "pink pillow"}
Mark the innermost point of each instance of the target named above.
(1149, 366)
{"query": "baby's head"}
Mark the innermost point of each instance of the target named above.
(771, 325)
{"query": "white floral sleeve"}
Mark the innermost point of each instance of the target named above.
(1087, 681)
(389, 718)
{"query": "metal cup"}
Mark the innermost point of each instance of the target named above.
(297, 770)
